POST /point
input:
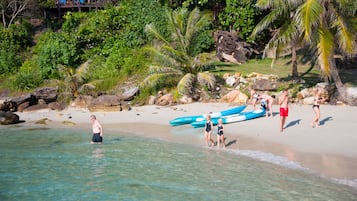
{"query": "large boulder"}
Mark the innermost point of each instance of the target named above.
(130, 93)
(164, 100)
(48, 94)
(235, 96)
(230, 48)
(7, 118)
(108, 103)
(351, 96)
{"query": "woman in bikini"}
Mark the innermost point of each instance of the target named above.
(316, 107)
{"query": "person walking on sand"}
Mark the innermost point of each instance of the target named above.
(316, 107)
(208, 130)
(284, 110)
(269, 100)
(97, 129)
(255, 97)
(220, 135)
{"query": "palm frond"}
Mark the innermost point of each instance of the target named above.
(265, 4)
(191, 26)
(176, 21)
(151, 29)
(82, 69)
(206, 79)
(308, 16)
(325, 49)
(90, 85)
(185, 85)
(346, 40)
(164, 70)
(266, 21)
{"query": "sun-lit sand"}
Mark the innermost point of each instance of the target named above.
(330, 150)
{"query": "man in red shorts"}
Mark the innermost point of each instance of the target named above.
(284, 110)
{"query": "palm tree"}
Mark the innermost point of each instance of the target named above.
(326, 25)
(287, 35)
(172, 58)
(75, 79)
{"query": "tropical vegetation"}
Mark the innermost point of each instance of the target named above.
(166, 44)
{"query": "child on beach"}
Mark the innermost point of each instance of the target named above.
(208, 130)
(316, 107)
(220, 135)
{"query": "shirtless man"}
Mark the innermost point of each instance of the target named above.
(97, 130)
(284, 110)
(269, 103)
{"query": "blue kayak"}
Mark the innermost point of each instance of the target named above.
(189, 119)
(232, 118)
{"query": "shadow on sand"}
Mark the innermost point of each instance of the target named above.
(292, 123)
(322, 122)
(231, 142)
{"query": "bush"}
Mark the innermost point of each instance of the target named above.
(27, 78)
(54, 49)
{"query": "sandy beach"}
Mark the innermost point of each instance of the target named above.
(329, 150)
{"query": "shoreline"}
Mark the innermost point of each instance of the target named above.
(329, 150)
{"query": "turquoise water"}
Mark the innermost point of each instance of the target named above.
(58, 164)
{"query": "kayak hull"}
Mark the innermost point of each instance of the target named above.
(196, 118)
(243, 116)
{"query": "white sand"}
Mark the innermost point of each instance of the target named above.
(330, 150)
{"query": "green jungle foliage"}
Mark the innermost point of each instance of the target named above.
(13, 41)
(115, 40)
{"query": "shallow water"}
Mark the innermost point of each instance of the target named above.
(58, 164)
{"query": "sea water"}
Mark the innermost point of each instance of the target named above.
(61, 164)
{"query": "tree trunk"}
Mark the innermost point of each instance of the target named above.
(341, 89)
(294, 72)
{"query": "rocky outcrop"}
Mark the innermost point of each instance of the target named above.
(306, 96)
(351, 96)
(263, 82)
(7, 118)
(108, 103)
(164, 100)
(40, 96)
(230, 48)
(235, 96)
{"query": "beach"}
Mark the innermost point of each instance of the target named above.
(329, 150)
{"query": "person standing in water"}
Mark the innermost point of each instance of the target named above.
(284, 110)
(208, 130)
(97, 129)
(316, 107)
(220, 135)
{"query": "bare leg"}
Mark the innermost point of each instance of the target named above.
(206, 138)
(222, 138)
(315, 122)
(282, 123)
(218, 141)
(210, 138)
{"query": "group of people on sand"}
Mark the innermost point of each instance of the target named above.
(266, 104)
(283, 101)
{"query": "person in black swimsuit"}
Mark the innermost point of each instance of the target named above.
(220, 135)
(208, 130)
(316, 107)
